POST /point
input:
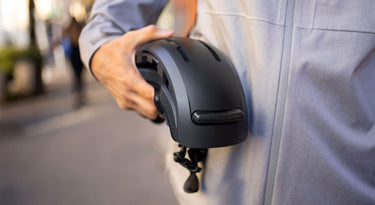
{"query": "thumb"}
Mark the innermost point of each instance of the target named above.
(149, 33)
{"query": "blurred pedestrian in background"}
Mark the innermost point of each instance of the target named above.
(69, 40)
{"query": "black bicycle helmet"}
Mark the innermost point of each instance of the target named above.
(198, 92)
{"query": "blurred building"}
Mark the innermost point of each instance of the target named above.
(48, 19)
(14, 22)
(14, 18)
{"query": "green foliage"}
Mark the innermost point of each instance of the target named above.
(10, 55)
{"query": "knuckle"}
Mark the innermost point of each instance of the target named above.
(151, 28)
(153, 112)
(124, 100)
(126, 105)
(123, 104)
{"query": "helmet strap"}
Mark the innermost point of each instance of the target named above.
(196, 155)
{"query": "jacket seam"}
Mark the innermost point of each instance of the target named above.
(239, 15)
(281, 98)
(336, 30)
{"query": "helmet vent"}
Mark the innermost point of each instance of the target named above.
(148, 61)
(166, 81)
(183, 54)
(180, 49)
(217, 58)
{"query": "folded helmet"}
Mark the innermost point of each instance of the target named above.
(199, 93)
(197, 90)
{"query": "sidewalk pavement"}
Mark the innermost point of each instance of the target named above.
(51, 153)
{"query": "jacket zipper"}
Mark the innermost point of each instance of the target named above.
(280, 102)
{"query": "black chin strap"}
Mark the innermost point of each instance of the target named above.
(196, 155)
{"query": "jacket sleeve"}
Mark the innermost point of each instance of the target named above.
(112, 18)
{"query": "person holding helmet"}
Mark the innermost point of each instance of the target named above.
(308, 67)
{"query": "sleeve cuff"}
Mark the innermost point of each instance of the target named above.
(90, 40)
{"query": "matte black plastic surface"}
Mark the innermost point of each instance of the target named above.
(217, 117)
(197, 90)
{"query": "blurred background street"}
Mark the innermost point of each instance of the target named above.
(52, 153)
(64, 141)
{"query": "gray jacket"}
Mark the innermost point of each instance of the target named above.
(309, 70)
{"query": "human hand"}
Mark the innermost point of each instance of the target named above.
(114, 66)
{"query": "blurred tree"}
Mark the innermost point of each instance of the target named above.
(38, 85)
(32, 23)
